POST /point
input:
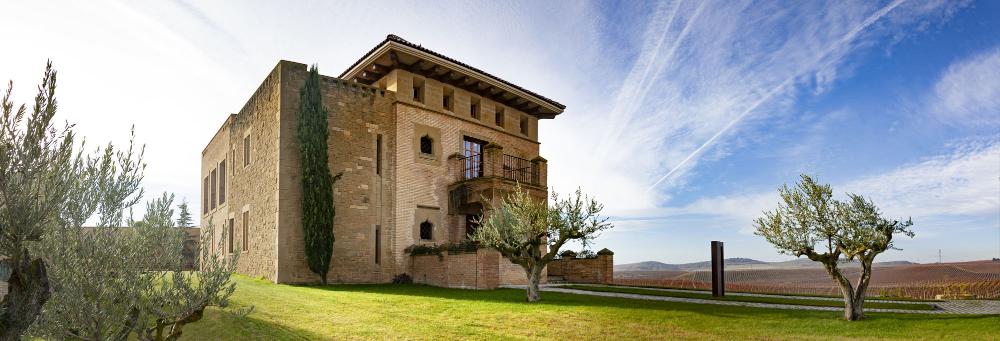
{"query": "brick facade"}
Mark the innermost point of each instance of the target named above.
(598, 270)
(383, 195)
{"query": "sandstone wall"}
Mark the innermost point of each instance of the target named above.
(251, 188)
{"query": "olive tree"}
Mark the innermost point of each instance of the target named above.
(529, 233)
(38, 171)
(116, 283)
(809, 222)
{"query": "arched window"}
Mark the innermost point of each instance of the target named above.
(426, 145)
(426, 230)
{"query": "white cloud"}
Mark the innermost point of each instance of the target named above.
(968, 93)
(962, 183)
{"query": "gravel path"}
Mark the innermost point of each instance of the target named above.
(976, 307)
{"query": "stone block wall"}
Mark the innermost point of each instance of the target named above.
(598, 270)
(251, 186)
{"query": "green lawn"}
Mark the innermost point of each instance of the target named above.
(421, 312)
(757, 299)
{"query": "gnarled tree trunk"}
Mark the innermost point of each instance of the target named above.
(27, 292)
(534, 273)
(852, 301)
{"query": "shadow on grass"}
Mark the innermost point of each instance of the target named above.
(223, 325)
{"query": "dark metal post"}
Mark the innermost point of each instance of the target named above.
(718, 270)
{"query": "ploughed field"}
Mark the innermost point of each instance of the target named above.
(418, 312)
(979, 280)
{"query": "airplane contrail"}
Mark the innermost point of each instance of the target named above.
(843, 41)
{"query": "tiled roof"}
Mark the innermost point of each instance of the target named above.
(397, 39)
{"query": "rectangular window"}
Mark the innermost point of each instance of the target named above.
(418, 94)
(246, 230)
(524, 125)
(426, 230)
(378, 154)
(472, 150)
(215, 188)
(499, 117)
(378, 244)
(474, 108)
(447, 99)
(246, 150)
(204, 196)
(229, 238)
(222, 182)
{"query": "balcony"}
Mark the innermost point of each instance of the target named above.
(479, 177)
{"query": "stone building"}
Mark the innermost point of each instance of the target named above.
(422, 140)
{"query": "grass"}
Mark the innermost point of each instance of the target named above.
(755, 299)
(389, 311)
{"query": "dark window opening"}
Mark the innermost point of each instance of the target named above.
(222, 182)
(378, 244)
(446, 102)
(246, 230)
(499, 117)
(378, 154)
(215, 188)
(426, 230)
(524, 125)
(246, 151)
(418, 94)
(474, 110)
(426, 145)
(229, 238)
(204, 196)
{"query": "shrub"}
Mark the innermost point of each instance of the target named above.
(586, 254)
(402, 279)
(567, 254)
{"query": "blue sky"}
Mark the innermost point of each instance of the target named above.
(683, 117)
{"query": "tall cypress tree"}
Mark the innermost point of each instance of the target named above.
(317, 183)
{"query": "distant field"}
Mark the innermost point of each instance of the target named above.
(417, 312)
(921, 281)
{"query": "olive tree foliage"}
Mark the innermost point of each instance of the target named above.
(809, 222)
(38, 175)
(529, 233)
(132, 285)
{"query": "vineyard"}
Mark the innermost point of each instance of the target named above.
(980, 280)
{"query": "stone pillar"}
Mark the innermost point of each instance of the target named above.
(539, 170)
(606, 261)
(455, 167)
(492, 160)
